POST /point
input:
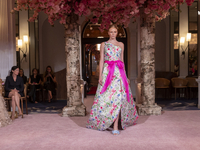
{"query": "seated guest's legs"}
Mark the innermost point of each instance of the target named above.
(13, 107)
(15, 102)
(49, 95)
(32, 92)
(11, 95)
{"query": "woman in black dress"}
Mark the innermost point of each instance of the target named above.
(34, 82)
(21, 74)
(14, 88)
(50, 82)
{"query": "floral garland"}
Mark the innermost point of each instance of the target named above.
(119, 12)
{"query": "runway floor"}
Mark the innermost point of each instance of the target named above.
(173, 130)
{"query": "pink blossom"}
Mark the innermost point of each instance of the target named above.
(119, 12)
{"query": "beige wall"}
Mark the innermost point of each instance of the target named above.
(162, 46)
(23, 30)
(132, 32)
(51, 45)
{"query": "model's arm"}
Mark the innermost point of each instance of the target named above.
(101, 62)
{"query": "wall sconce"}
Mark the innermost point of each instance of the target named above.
(98, 47)
(20, 43)
(182, 42)
(25, 37)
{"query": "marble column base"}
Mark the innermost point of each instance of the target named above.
(149, 109)
(74, 111)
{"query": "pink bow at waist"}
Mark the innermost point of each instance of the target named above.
(111, 67)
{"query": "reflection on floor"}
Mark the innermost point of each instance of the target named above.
(55, 106)
(178, 104)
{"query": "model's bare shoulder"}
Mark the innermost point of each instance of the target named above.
(103, 43)
(121, 45)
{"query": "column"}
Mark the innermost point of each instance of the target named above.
(74, 99)
(147, 56)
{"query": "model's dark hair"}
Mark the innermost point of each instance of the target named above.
(46, 72)
(13, 69)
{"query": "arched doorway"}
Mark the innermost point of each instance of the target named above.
(91, 38)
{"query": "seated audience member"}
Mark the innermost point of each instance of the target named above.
(14, 88)
(21, 74)
(34, 82)
(49, 82)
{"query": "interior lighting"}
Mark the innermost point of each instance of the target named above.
(19, 43)
(182, 40)
(98, 47)
(25, 38)
(189, 36)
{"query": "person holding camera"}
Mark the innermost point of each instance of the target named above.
(34, 83)
(49, 82)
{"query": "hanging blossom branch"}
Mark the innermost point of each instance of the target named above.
(55, 9)
(119, 12)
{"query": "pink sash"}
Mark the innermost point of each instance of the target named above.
(111, 67)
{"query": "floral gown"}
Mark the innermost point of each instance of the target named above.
(109, 104)
(4, 116)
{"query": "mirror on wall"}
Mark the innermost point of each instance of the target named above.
(174, 17)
